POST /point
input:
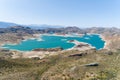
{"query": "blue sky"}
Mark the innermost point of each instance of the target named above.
(81, 13)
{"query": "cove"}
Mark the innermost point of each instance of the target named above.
(51, 41)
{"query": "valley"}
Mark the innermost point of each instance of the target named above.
(56, 63)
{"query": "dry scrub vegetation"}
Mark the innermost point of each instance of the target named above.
(63, 67)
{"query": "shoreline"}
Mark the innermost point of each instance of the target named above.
(38, 38)
(106, 42)
(81, 46)
(35, 36)
(85, 46)
(42, 54)
(64, 35)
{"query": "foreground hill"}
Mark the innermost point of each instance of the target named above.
(70, 65)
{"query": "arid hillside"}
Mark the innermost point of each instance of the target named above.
(70, 65)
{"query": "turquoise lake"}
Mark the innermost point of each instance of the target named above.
(51, 41)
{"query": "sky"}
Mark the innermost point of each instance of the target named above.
(81, 13)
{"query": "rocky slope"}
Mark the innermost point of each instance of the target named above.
(15, 34)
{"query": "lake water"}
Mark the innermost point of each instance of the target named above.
(51, 41)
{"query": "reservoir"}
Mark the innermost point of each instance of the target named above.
(52, 41)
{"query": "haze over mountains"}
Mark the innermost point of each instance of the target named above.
(7, 24)
(41, 26)
(33, 26)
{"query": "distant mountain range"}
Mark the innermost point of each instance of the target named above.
(33, 26)
(7, 24)
(43, 26)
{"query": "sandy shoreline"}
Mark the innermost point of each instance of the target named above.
(42, 54)
(106, 42)
(63, 35)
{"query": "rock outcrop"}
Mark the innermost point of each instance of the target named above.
(49, 49)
